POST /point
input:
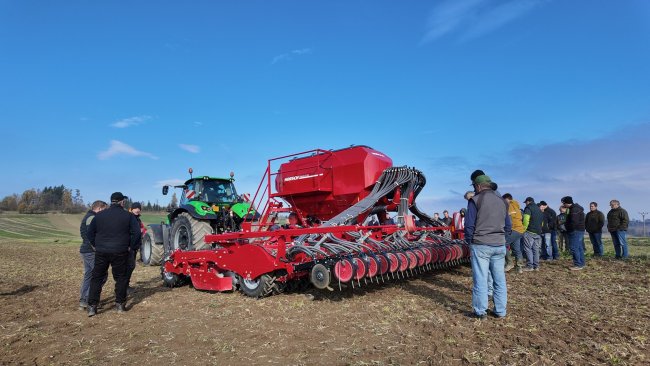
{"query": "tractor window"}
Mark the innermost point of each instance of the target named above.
(219, 191)
(189, 193)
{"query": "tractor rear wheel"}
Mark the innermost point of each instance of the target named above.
(150, 253)
(189, 233)
(262, 286)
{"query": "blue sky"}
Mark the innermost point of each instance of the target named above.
(550, 98)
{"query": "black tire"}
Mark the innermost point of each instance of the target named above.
(172, 279)
(150, 253)
(262, 286)
(189, 233)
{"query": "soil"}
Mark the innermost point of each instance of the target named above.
(555, 316)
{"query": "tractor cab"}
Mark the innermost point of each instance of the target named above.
(213, 191)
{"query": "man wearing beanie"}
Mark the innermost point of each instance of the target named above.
(575, 227)
(113, 233)
(486, 225)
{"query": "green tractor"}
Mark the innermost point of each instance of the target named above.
(208, 205)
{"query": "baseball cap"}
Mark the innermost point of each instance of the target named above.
(529, 199)
(117, 197)
(482, 179)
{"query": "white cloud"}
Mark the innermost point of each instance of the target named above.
(131, 121)
(474, 18)
(191, 148)
(290, 55)
(118, 148)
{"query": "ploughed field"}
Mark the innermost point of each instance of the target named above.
(555, 316)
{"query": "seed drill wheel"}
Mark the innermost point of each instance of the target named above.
(373, 267)
(172, 279)
(362, 268)
(344, 270)
(189, 233)
(403, 261)
(320, 276)
(262, 286)
(384, 265)
(393, 262)
(150, 253)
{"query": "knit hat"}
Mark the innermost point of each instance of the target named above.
(475, 174)
(136, 205)
(482, 179)
(567, 199)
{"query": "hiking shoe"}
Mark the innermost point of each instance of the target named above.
(92, 310)
(536, 269)
(83, 305)
(520, 270)
(120, 307)
(479, 317)
(528, 269)
(576, 268)
(509, 267)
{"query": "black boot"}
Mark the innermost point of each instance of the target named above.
(120, 307)
(92, 310)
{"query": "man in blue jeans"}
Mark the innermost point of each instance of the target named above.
(486, 225)
(87, 252)
(617, 222)
(594, 222)
(575, 227)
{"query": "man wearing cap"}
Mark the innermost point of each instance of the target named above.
(533, 218)
(575, 227)
(113, 233)
(617, 222)
(486, 225)
(136, 209)
(514, 239)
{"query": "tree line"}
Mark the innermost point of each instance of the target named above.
(56, 198)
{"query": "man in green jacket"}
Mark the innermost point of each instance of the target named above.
(594, 222)
(617, 221)
(533, 218)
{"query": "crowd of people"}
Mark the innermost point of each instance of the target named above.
(111, 237)
(495, 225)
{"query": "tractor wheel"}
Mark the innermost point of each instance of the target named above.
(262, 286)
(150, 252)
(189, 233)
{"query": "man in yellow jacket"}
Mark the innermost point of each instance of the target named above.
(514, 239)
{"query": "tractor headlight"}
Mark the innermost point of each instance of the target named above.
(206, 208)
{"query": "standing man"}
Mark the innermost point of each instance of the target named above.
(533, 218)
(594, 222)
(136, 210)
(446, 219)
(575, 227)
(514, 239)
(548, 229)
(486, 226)
(561, 228)
(114, 233)
(617, 221)
(88, 252)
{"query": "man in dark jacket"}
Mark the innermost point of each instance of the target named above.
(533, 220)
(594, 222)
(486, 225)
(113, 233)
(617, 221)
(575, 227)
(549, 239)
(136, 210)
(88, 252)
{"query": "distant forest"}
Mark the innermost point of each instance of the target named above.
(57, 198)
